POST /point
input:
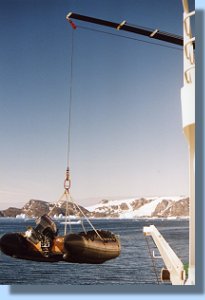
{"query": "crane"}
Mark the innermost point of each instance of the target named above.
(173, 263)
(151, 33)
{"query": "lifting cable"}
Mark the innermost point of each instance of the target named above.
(128, 37)
(70, 99)
(67, 218)
(55, 204)
(87, 219)
(67, 181)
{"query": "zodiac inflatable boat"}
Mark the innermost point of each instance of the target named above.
(43, 244)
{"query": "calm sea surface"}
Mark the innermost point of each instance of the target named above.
(133, 266)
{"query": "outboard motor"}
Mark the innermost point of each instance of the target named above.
(46, 231)
(46, 226)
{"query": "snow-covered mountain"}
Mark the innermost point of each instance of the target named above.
(36, 208)
(141, 207)
(126, 208)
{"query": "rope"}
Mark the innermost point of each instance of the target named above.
(67, 182)
(130, 38)
(152, 259)
(70, 199)
(81, 219)
(70, 98)
(67, 218)
(86, 218)
(55, 204)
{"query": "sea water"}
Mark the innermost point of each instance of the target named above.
(133, 266)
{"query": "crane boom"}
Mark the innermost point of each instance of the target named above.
(151, 33)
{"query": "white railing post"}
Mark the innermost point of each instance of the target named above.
(172, 262)
(188, 121)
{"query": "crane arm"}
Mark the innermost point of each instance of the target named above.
(151, 33)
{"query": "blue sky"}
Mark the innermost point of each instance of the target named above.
(126, 134)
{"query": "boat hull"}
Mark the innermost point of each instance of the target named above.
(18, 246)
(90, 248)
(73, 248)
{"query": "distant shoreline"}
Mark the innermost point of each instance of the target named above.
(107, 218)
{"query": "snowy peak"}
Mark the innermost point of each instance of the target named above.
(36, 208)
(155, 207)
(142, 207)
